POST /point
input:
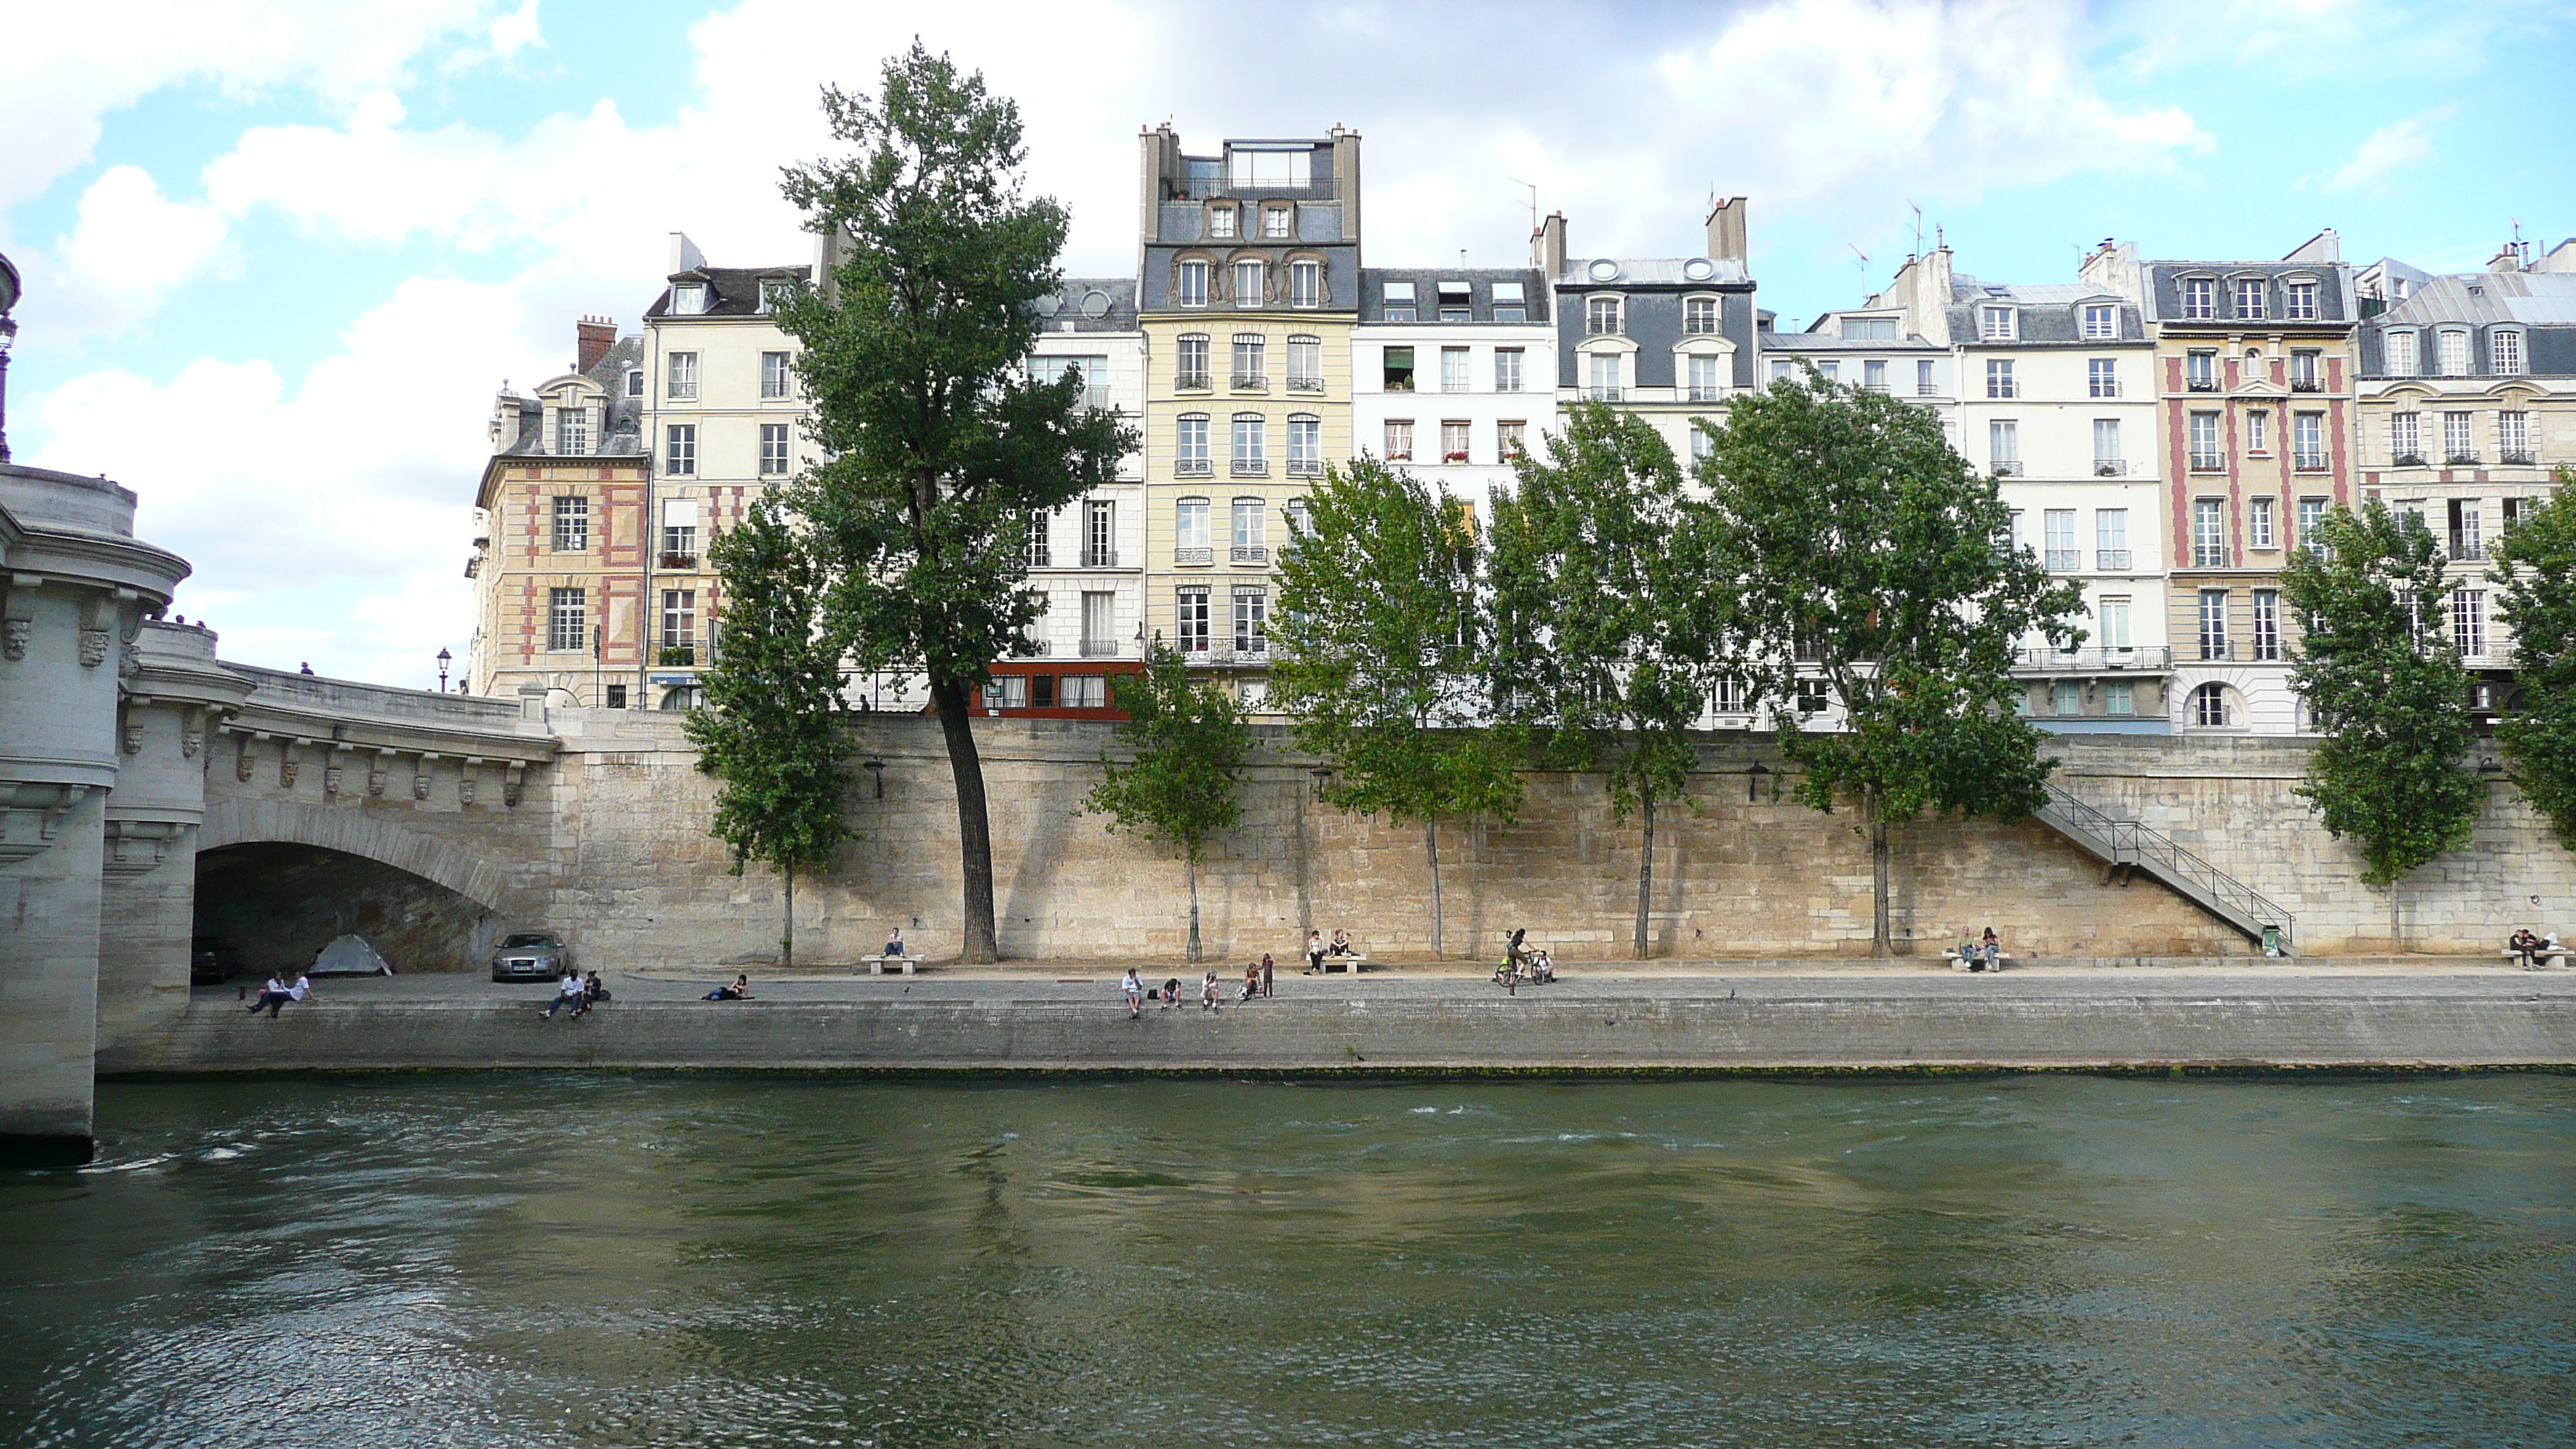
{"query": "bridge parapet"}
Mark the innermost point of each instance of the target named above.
(294, 720)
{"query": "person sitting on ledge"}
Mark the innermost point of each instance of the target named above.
(1991, 950)
(894, 942)
(1341, 945)
(593, 992)
(1170, 995)
(569, 995)
(740, 990)
(1134, 990)
(1251, 981)
(1208, 991)
(1314, 952)
(2525, 944)
(271, 997)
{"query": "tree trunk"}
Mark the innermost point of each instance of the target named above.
(1431, 846)
(1645, 872)
(787, 921)
(974, 830)
(1192, 863)
(1881, 941)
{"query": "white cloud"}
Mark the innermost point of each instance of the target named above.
(516, 31)
(2385, 151)
(129, 249)
(305, 511)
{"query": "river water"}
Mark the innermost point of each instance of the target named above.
(612, 1260)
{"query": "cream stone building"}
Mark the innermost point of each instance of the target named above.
(560, 532)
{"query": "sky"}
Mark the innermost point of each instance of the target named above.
(280, 254)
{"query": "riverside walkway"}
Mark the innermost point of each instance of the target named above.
(2229, 1012)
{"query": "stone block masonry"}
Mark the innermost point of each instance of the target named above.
(637, 882)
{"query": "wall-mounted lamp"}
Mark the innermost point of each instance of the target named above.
(1323, 776)
(1753, 781)
(876, 771)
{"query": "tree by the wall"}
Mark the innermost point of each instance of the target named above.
(1187, 745)
(2535, 566)
(2382, 675)
(1379, 634)
(937, 446)
(1877, 576)
(1611, 622)
(770, 729)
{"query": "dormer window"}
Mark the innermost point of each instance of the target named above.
(1456, 301)
(1855, 329)
(2199, 299)
(1601, 316)
(1997, 324)
(2504, 353)
(1699, 316)
(1275, 222)
(2454, 344)
(572, 431)
(2249, 299)
(1509, 303)
(634, 382)
(1221, 221)
(771, 294)
(1398, 300)
(2101, 320)
(2397, 350)
(689, 299)
(1190, 282)
(2303, 301)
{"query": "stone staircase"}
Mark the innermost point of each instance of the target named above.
(2131, 845)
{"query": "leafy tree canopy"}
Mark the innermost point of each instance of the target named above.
(2535, 564)
(1187, 745)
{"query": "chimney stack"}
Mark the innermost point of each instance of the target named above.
(1726, 237)
(1547, 246)
(592, 337)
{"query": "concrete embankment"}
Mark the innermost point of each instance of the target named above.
(1799, 1023)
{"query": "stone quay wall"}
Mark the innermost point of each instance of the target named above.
(2279, 1026)
(632, 876)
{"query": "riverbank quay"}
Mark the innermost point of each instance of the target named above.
(1713, 1017)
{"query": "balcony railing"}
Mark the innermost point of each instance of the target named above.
(1601, 394)
(2088, 661)
(2516, 457)
(2110, 467)
(2206, 462)
(2217, 648)
(1251, 554)
(1711, 394)
(1099, 648)
(1196, 381)
(1305, 384)
(2211, 556)
(1250, 650)
(2305, 384)
(1193, 556)
(674, 560)
(2202, 384)
(677, 656)
(1251, 468)
(1193, 468)
(1251, 382)
(2106, 389)
(2065, 560)
(2010, 468)
(1100, 558)
(2111, 560)
(2407, 460)
(2309, 462)
(1305, 467)
(2467, 547)
(2457, 456)
(1926, 389)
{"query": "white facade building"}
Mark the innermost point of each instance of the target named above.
(1453, 374)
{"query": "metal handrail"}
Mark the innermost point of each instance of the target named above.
(2132, 842)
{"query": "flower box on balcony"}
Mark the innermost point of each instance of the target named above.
(1453, 457)
(679, 560)
(677, 656)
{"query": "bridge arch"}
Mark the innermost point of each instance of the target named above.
(353, 831)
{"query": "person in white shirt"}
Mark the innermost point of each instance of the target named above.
(1134, 986)
(302, 988)
(272, 996)
(569, 996)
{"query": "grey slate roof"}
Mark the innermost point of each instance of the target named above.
(1090, 304)
(621, 437)
(732, 291)
(2164, 291)
(2535, 299)
(1426, 291)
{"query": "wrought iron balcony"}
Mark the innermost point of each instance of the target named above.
(2110, 467)
(1192, 381)
(2467, 546)
(2011, 468)
(1193, 556)
(1305, 384)
(2202, 384)
(1251, 382)
(1251, 468)
(2212, 556)
(1305, 467)
(1193, 468)
(2207, 462)
(1099, 648)
(1100, 558)
(2117, 660)
(2457, 456)
(2407, 460)
(2305, 384)
(2309, 462)
(2065, 560)
(2111, 560)
(2516, 457)
(1254, 554)
(2217, 647)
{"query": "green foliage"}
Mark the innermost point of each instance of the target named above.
(770, 728)
(1377, 637)
(1874, 555)
(2535, 563)
(1187, 745)
(2378, 666)
(1611, 620)
(937, 445)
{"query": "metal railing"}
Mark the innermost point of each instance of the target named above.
(2516, 457)
(2305, 384)
(1305, 384)
(2087, 661)
(2467, 547)
(1193, 556)
(1254, 554)
(2206, 462)
(1251, 468)
(2458, 456)
(2136, 844)
(1194, 380)
(2216, 648)
(2211, 556)
(2065, 560)
(2011, 468)
(1712, 394)
(1099, 648)
(2202, 384)
(2111, 560)
(1251, 382)
(1193, 468)
(2110, 467)
(2309, 462)
(1602, 394)
(1100, 558)
(2407, 460)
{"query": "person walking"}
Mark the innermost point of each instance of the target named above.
(1134, 986)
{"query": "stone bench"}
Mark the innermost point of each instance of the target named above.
(1351, 963)
(880, 965)
(1952, 956)
(2546, 955)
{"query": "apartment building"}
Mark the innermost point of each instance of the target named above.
(1086, 559)
(2467, 402)
(1248, 288)
(1454, 373)
(724, 423)
(561, 532)
(1669, 339)
(2254, 372)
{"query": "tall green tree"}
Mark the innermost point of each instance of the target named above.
(1379, 636)
(2535, 566)
(770, 729)
(937, 446)
(1876, 573)
(1611, 622)
(2379, 669)
(1186, 746)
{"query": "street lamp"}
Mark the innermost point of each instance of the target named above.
(8, 334)
(876, 771)
(443, 658)
(1323, 776)
(1753, 782)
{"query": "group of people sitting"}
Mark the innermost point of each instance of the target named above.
(1256, 982)
(1980, 953)
(1317, 948)
(277, 993)
(740, 990)
(576, 994)
(2532, 947)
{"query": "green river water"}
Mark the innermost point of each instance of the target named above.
(609, 1260)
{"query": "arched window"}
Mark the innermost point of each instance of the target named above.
(2397, 353)
(2454, 356)
(2209, 709)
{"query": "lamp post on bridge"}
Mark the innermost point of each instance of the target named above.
(443, 658)
(8, 334)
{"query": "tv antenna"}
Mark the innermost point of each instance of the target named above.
(1918, 225)
(1856, 251)
(1533, 191)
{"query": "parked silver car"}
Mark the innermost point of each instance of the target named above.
(531, 956)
